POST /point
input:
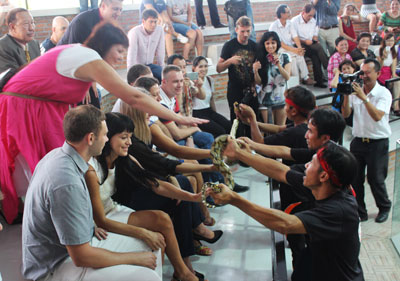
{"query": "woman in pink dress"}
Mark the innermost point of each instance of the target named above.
(34, 101)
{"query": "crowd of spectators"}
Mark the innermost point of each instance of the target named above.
(130, 181)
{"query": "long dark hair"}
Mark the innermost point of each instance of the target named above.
(104, 36)
(262, 54)
(128, 174)
(383, 45)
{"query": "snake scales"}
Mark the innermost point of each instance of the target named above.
(217, 150)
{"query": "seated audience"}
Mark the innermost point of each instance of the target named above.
(387, 57)
(58, 28)
(205, 108)
(191, 88)
(362, 52)
(332, 225)
(283, 27)
(346, 28)
(161, 8)
(271, 71)
(340, 55)
(120, 174)
(60, 240)
(18, 47)
(390, 21)
(305, 28)
(345, 67)
(37, 94)
(181, 15)
(370, 12)
(146, 43)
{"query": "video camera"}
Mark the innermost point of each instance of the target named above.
(345, 87)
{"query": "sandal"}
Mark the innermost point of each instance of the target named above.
(202, 250)
(217, 235)
(209, 223)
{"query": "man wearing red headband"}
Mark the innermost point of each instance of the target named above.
(332, 224)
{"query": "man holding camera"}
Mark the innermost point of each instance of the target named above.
(371, 106)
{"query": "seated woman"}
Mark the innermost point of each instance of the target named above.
(339, 56)
(390, 21)
(272, 72)
(346, 28)
(205, 108)
(345, 67)
(122, 177)
(362, 52)
(387, 57)
(181, 15)
(370, 12)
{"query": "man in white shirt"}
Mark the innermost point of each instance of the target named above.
(146, 42)
(305, 29)
(371, 106)
(282, 26)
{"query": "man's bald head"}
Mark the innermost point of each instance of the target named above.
(59, 26)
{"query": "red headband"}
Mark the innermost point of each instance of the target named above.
(290, 102)
(325, 166)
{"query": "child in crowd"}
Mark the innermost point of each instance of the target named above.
(340, 55)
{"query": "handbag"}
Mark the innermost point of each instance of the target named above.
(235, 9)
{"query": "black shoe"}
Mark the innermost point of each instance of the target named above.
(363, 217)
(240, 188)
(320, 85)
(202, 26)
(382, 216)
(220, 25)
(217, 235)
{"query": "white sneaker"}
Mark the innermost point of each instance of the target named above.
(182, 39)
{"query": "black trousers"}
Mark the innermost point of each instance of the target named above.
(212, 6)
(218, 124)
(375, 156)
(317, 55)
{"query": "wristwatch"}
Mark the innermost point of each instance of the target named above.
(366, 100)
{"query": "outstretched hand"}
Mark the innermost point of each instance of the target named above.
(223, 197)
(191, 121)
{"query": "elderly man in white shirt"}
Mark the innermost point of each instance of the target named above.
(370, 104)
(282, 26)
(304, 28)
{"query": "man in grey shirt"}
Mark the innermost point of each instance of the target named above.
(58, 228)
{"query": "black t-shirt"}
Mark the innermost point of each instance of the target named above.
(294, 177)
(80, 27)
(357, 55)
(334, 241)
(302, 155)
(241, 76)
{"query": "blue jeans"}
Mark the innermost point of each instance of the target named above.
(249, 13)
(156, 70)
(84, 5)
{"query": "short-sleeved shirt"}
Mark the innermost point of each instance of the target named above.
(58, 211)
(284, 32)
(80, 27)
(304, 30)
(46, 45)
(159, 5)
(241, 75)
(170, 103)
(334, 61)
(292, 136)
(326, 14)
(363, 124)
(388, 60)
(334, 241)
(294, 178)
(356, 54)
(208, 88)
(179, 9)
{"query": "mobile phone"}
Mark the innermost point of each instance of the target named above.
(270, 58)
(192, 76)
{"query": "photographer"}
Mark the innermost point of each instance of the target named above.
(371, 106)
(345, 67)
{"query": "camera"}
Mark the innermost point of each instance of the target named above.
(345, 87)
